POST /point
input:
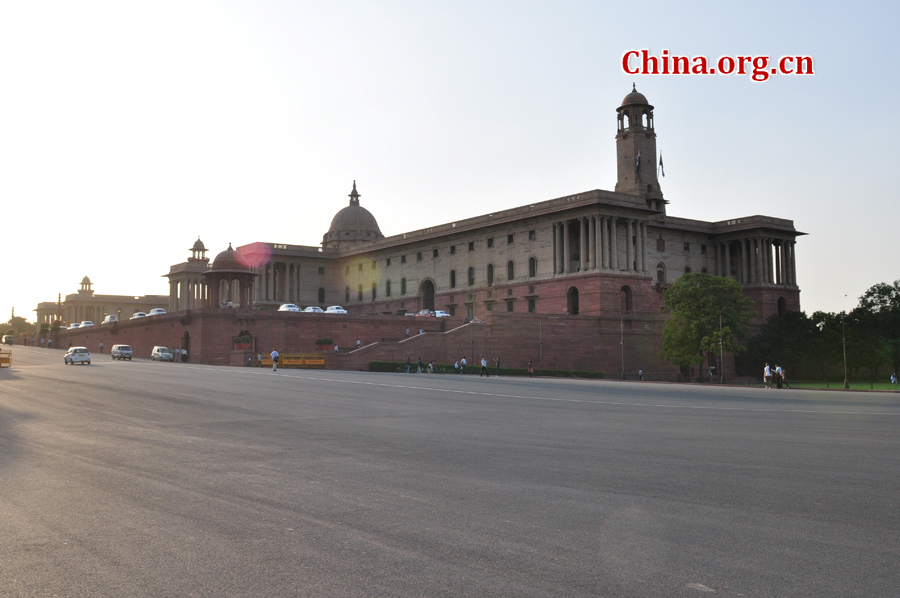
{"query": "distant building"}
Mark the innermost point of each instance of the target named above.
(85, 305)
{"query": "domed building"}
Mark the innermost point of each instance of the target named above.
(352, 225)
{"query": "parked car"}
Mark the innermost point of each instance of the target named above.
(138, 314)
(86, 323)
(425, 313)
(288, 307)
(74, 325)
(441, 314)
(161, 354)
(110, 319)
(122, 352)
(335, 309)
(77, 355)
(312, 309)
(157, 311)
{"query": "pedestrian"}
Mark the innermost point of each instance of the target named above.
(498, 367)
(462, 366)
(778, 376)
(456, 368)
(433, 366)
(358, 343)
(421, 331)
(42, 342)
(419, 366)
(184, 355)
(259, 360)
(101, 347)
(894, 378)
(767, 376)
(249, 360)
(176, 354)
(274, 356)
(784, 379)
(530, 369)
(407, 333)
(336, 348)
(484, 371)
(408, 364)
(641, 375)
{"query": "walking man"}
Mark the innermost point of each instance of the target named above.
(408, 364)
(407, 333)
(484, 371)
(462, 366)
(530, 369)
(358, 343)
(778, 376)
(419, 366)
(101, 347)
(498, 367)
(641, 375)
(274, 356)
(767, 376)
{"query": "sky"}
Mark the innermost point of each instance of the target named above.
(129, 129)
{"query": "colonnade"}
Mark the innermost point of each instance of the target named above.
(598, 245)
(278, 282)
(189, 293)
(757, 260)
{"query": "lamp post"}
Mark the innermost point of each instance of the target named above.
(844, 343)
(721, 354)
(622, 342)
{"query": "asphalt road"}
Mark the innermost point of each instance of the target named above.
(154, 479)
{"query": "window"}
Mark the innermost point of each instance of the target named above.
(360, 266)
(321, 292)
(451, 309)
(703, 270)
(687, 246)
(471, 245)
(347, 270)
(490, 274)
(687, 269)
(531, 235)
(510, 270)
(509, 305)
(347, 295)
(510, 239)
(661, 273)
(387, 288)
(702, 248)
(452, 279)
(471, 277)
(453, 250)
(626, 298)
(402, 259)
(374, 291)
(419, 257)
(402, 286)
(531, 305)
(389, 262)
(359, 293)
(322, 271)
(434, 253)
(532, 267)
(491, 242)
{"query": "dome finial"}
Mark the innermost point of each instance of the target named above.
(633, 87)
(354, 196)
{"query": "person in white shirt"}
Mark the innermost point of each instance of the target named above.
(484, 368)
(767, 376)
(462, 366)
(274, 356)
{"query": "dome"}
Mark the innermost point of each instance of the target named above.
(229, 261)
(85, 280)
(635, 97)
(198, 245)
(353, 224)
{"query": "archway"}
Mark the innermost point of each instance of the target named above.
(782, 306)
(627, 305)
(572, 301)
(426, 291)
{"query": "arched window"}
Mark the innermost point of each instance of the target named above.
(490, 275)
(532, 267)
(626, 299)
(661, 273)
(346, 295)
(374, 291)
(321, 295)
(510, 270)
(572, 301)
(359, 293)
(387, 288)
(471, 277)
(782, 305)
(402, 286)
(452, 279)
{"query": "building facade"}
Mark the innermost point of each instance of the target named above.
(85, 305)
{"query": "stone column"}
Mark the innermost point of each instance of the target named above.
(629, 244)
(270, 281)
(582, 244)
(793, 263)
(592, 242)
(614, 243)
(727, 259)
(644, 244)
(778, 270)
(567, 262)
(745, 262)
(767, 261)
(638, 247)
(604, 242)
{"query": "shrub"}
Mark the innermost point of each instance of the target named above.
(324, 341)
(447, 368)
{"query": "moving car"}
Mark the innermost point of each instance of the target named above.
(161, 354)
(312, 309)
(110, 319)
(157, 311)
(86, 323)
(335, 309)
(426, 313)
(288, 307)
(77, 355)
(441, 314)
(122, 352)
(74, 325)
(138, 314)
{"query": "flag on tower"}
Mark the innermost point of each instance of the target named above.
(661, 168)
(637, 163)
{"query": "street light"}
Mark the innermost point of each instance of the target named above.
(844, 343)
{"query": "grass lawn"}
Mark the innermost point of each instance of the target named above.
(854, 385)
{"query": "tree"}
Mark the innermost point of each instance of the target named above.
(20, 325)
(784, 339)
(696, 302)
(879, 314)
(824, 349)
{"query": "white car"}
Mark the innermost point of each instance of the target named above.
(138, 314)
(335, 309)
(441, 314)
(86, 323)
(77, 355)
(110, 319)
(161, 354)
(74, 325)
(312, 309)
(288, 307)
(157, 311)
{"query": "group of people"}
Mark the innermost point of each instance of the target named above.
(777, 376)
(421, 368)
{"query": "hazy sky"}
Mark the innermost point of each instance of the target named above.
(128, 129)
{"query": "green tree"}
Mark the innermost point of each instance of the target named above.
(879, 313)
(824, 350)
(20, 325)
(696, 302)
(784, 339)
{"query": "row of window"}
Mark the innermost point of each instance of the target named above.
(510, 239)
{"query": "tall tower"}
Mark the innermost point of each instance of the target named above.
(636, 151)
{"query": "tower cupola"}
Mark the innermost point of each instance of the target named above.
(636, 151)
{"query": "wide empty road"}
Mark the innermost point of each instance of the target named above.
(153, 479)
